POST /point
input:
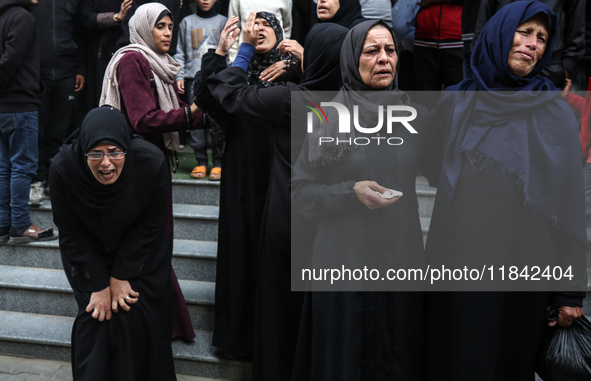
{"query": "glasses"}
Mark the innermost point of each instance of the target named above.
(110, 155)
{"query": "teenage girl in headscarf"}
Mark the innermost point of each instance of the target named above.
(140, 80)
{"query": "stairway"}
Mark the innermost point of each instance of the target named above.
(37, 306)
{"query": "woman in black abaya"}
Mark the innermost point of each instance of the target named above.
(243, 190)
(102, 35)
(343, 12)
(115, 250)
(365, 335)
(277, 313)
(503, 152)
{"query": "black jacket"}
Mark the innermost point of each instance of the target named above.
(57, 31)
(19, 58)
(569, 46)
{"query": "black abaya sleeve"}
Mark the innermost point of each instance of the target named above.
(312, 197)
(435, 142)
(231, 89)
(146, 242)
(210, 63)
(84, 266)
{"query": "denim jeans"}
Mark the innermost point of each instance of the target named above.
(18, 164)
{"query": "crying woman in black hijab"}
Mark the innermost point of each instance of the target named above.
(115, 248)
(343, 12)
(267, 53)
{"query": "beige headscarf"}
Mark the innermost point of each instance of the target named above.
(164, 67)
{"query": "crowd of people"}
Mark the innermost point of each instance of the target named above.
(95, 97)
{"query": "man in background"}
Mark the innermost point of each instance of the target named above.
(62, 72)
(19, 104)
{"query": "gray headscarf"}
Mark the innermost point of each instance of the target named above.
(349, 95)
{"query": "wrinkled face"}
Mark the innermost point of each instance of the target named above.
(529, 44)
(162, 34)
(267, 38)
(377, 63)
(205, 5)
(326, 9)
(106, 170)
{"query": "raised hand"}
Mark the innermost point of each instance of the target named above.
(228, 36)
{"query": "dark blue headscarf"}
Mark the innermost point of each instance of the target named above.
(522, 124)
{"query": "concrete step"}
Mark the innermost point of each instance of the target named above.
(192, 260)
(425, 197)
(194, 222)
(48, 337)
(47, 292)
(197, 192)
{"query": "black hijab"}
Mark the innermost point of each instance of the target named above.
(353, 93)
(348, 15)
(260, 61)
(521, 125)
(322, 52)
(101, 125)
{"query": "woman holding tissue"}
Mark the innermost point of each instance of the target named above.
(348, 190)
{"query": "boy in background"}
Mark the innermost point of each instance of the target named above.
(197, 33)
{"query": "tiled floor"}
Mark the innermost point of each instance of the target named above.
(25, 369)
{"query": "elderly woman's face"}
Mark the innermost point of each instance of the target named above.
(162, 34)
(104, 168)
(326, 9)
(529, 44)
(267, 38)
(377, 63)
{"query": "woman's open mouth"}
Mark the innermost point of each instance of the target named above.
(107, 175)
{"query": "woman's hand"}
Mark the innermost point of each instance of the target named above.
(122, 295)
(274, 71)
(79, 82)
(566, 316)
(366, 193)
(194, 109)
(293, 47)
(125, 7)
(228, 36)
(181, 85)
(250, 34)
(568, 85)
(100, 304)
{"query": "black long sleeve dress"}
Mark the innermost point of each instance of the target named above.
(487, 335)
(243, 191)
(278, 310)
(127, 240)
(365, 335)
